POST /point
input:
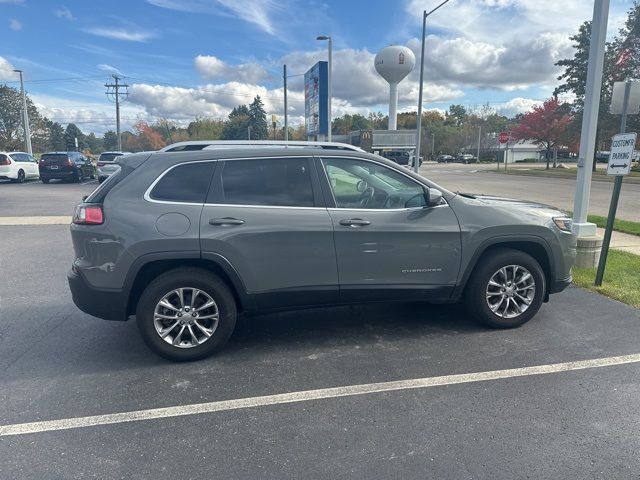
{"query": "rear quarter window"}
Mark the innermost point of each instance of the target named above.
(187, 183)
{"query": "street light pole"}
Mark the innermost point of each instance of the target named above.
(416, 160)
(329, 88)
(590, 119)
(25, 117)
(286, 115)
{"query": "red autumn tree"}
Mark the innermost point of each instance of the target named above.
(546, 125)
(147, 138)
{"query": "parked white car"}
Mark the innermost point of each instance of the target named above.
(18, 166)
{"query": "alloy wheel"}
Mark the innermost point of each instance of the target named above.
(510, 291)
(186, 317)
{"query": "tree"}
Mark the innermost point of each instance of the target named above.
(258, 120)
(11, 128)
(110, 140)
(456, 115)
(205, 129)
(236, 126)
(94, 144)
(545, 124)
(71, 133)
(146, 138)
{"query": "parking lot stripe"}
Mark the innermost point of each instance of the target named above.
(41, 220)
(308, 395)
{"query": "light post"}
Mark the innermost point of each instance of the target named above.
(330, 46)
(249, 132)
(425, 14)
(25, 117)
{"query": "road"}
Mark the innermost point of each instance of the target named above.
(555, 191)
(56, 363)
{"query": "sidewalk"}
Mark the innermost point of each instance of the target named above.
(623, 241)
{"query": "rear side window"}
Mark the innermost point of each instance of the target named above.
(184, 183)
(268, 181)
(109, 157)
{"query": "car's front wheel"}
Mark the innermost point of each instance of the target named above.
(186, 314)
(506, 289)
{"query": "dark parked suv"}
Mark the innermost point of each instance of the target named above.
(186, 240)
(71, 166)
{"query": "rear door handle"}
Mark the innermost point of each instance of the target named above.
(354, 222)
(226, 221)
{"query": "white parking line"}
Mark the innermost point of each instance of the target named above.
(307, 395)
(40, 220)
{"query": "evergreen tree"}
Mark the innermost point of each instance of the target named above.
(110, 140)
(237, 125)
(70, 134)
(258, 120)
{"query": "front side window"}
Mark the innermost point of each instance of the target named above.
(184, 183)
(361, 184)
(280, 182)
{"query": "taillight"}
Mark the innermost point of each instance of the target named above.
(68, 163)
(4, 160)
(101, 164)
(88, 215)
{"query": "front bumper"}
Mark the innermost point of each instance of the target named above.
(105, 304)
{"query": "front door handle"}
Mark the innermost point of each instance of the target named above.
(226, 221)
(354, 222)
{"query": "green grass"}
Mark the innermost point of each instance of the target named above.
(624, 226)
(621, 278)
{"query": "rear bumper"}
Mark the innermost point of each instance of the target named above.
(105, 304)
(57, 174)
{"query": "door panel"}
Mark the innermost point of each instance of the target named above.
(262, 216)
(379, 242)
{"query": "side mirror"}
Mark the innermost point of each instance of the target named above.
(84, 197)
(434, 197)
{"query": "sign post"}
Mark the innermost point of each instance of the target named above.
(503, 138)
(620, 158)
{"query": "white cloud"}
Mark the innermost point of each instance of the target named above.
(64, 12)
(517, 105)
(129, 35)
(257, 12)
(6, 71)
(211, 67)
(15, 25)
(108, 68)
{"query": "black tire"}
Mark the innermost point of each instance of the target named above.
(20, 178)
(476, 289)
(44, 180)
(93, 174)
(79, 176)
(178, 278)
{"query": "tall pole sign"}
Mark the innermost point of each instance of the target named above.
(626, 101)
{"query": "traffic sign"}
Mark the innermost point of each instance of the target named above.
(503, 137)
(621, 155)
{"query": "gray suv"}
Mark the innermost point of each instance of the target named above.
(187, 240)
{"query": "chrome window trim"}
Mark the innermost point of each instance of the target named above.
(332, 209)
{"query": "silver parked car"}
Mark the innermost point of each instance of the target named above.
(107, 165)
(186, 240)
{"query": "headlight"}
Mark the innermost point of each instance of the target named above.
(563, 223)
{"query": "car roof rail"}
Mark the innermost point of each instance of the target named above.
(223, 144)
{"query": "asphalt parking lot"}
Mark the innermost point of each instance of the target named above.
(467, 403)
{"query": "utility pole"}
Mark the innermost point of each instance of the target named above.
(25, 117)
(286, 116)
(249, 132)
(113, 89)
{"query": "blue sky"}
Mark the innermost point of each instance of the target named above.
(188, 58)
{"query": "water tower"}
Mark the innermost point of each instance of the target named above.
(393, 63)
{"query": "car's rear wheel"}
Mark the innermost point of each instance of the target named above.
(45, 180)
(506, 289)
(186, 314)
(20, 178)
(79, 176)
